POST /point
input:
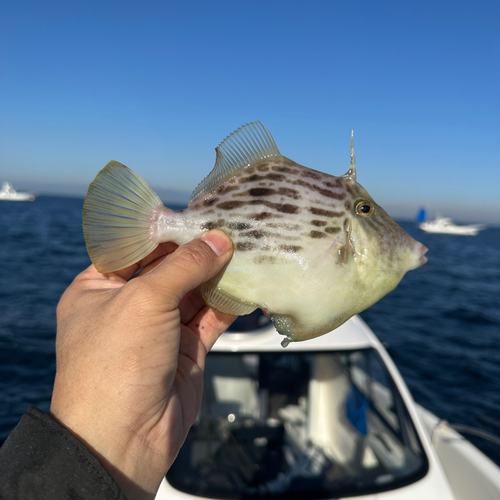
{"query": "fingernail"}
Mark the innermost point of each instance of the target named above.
(218, 241)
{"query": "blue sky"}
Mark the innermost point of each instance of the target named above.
(158, 84)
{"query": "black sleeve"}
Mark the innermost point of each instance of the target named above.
(42, 460)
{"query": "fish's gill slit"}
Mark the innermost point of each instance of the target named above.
(352, 245)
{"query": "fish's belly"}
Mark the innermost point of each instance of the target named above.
(269, 285)
(311, 290)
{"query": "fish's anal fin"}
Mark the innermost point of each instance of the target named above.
(224, 302)
(250, 143)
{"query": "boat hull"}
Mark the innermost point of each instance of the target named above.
(18, 197)
(446, 226)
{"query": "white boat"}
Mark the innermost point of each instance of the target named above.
(444, 225)
(8, 193)
(328, 418)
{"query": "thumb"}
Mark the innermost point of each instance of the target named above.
(189, 266)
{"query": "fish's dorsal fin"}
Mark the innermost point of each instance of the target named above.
(250, 143)
(351, 173)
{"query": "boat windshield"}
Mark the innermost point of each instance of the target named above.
(298, 425)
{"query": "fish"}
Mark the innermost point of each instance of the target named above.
(310, 249)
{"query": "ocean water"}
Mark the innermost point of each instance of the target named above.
(441, 325)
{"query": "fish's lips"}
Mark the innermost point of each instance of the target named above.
(421, 259)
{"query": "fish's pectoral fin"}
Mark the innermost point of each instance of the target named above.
(224, 302)
(116, 218)
(250, 143)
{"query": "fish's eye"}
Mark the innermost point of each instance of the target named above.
(364, 208)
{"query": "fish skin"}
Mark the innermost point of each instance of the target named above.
(304, 251)
(294, 229)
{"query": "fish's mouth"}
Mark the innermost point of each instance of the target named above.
(421, 259)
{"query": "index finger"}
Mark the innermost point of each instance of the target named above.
(123, 275)
(161, 250)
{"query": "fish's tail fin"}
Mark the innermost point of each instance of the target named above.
(117, 218)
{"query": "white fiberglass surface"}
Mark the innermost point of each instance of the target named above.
(305, 425)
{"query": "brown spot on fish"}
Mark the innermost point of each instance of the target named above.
(213, 224)
(256, 178)
(332, 230)
(318, 223)
(255, 234)
(263, 167)
(291, 193)
(325, 213)
(244, 246)
(288, 209)
(239, 226)
(261, 192)
(336, 184)
(264, 259)
(226, 189)
(285, 208)
(324, 192)
(317, 234)
(230, 205)
(347, 205)
(312, 174)
(275, 177)
(249, 170)
(263, 215)
(284, 169)
(290, 248)
(250, 178)
(232, 181)
(210, 201)
(262, 183)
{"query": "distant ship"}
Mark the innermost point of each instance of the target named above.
(8, 193)
(444, 225)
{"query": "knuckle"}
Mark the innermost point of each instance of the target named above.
(194, 255)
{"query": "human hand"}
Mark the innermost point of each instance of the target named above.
(130, 358)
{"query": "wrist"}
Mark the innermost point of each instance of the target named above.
(122, 455)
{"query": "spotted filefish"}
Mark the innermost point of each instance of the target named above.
(310, 249)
